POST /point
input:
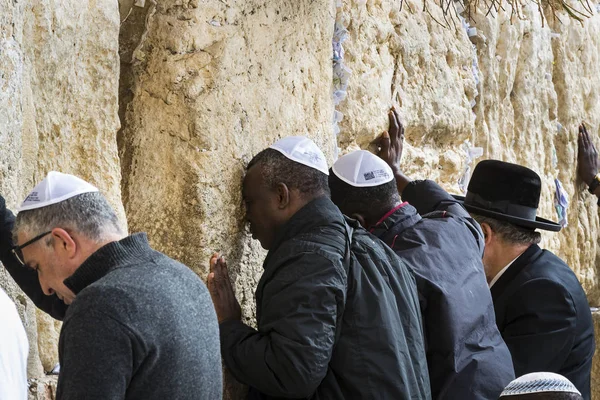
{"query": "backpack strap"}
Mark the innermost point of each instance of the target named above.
(349, 233)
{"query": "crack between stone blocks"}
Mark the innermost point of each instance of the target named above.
(151, 12)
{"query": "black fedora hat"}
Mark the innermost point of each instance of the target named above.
(506, 192)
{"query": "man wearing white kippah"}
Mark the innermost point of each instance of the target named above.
(139, 325)
(337, 311)
(541, 386)
(443, 245)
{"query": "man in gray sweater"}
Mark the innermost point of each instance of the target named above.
(139, 325)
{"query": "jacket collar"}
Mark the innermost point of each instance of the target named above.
(517, 266)
(320, 211)
(125, 251)
(395, 221)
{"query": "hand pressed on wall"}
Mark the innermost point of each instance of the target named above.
(391, 145)
(587, 156)
(221, 290)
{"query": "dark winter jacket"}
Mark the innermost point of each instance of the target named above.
(466, 355)
(332, 323)
(544, 317)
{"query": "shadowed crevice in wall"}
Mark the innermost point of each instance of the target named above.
(134, 15)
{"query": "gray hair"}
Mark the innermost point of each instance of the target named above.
(88, 214)
(508, 232)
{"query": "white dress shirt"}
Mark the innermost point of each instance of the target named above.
(502, 271)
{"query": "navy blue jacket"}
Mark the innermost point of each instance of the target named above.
(466, 355)
(333, 324)
(544, 317)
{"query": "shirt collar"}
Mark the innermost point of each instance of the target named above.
(502, 271)
(386, 216)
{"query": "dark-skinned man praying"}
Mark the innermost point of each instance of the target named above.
(337, 311)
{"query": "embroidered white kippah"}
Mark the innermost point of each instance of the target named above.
(302, 150)
(56, 187)
(362, 169)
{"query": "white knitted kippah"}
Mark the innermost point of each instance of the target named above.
(302, 150)
(362, 169)
(539, 382)
(56, 187)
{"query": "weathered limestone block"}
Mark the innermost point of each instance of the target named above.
(537, 87)
(72, 50)
(576, 80)
(214, 83)
(43, 388)
(48, 341)
(407, 59)
(536, 83)
(58, 111)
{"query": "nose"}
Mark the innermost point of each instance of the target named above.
(48, 291)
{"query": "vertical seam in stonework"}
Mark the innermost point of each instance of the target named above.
(341, 72)
(149, 16)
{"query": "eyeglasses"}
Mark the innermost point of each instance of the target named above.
(18, 250)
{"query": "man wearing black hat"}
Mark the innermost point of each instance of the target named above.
(541, 309)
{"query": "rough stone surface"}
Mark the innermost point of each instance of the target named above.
(215, 82)
(537, 83)
(205, 85)
(58, 111)
(42, 388)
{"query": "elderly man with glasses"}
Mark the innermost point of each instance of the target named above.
(135, 318)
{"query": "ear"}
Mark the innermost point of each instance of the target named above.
(360, 219)
(64, 243)
(488, 233)
(283, 196)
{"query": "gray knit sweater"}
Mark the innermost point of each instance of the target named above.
(141, 327)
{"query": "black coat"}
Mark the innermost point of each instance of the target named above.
(466, 355)
(544, 317)
(332, 324)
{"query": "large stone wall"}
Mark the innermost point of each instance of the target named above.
(536, 84)
(204, 85)
(214, 84)
(58, 111)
